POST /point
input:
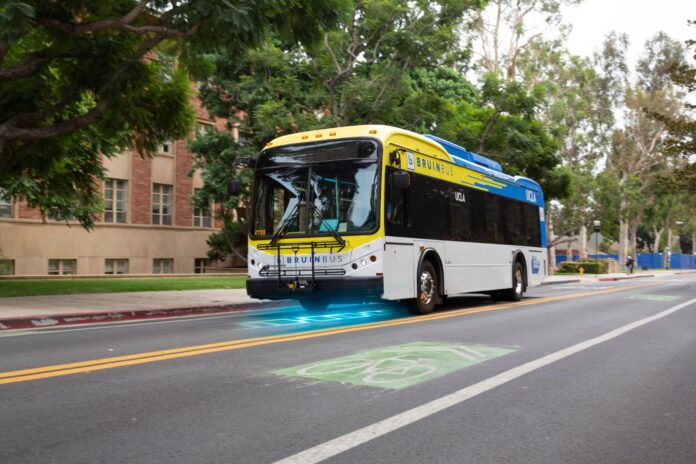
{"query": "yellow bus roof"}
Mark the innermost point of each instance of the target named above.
(377, 131)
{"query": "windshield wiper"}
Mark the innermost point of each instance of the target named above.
(333, 231)
(284, 224)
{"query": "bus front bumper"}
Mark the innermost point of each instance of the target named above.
(355, 289)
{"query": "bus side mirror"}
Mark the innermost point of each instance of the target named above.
(395, 158)
(234, 187)
(401, 180)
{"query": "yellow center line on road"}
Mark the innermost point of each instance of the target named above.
(162, 355)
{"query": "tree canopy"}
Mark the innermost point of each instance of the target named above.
(81, 80)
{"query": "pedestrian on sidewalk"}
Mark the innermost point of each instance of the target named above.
(629, 264)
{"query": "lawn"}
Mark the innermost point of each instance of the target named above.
(72, 286)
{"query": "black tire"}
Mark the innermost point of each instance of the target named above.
(515, 293)
(427, 282)
(314, 304)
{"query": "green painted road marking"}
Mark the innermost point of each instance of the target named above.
(397, 366)
(654, 297)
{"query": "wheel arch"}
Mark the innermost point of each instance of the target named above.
(430, 254)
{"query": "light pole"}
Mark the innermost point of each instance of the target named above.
(596, 224)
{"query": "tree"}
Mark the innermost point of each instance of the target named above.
(218, 156)
(500, 124)
(638, 149)
(682, 127)
(364, 71)
(506, 29)
(385, 63)
(82, 80)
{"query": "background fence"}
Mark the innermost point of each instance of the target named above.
(649, 260)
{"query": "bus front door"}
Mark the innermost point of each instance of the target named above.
(399, 275)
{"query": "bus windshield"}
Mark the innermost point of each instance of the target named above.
(317, 189)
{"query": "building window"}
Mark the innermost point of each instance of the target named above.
(162, 265)
(201, 216)
(203, 128)
(5, 206)
(162, 204)
(62, 266)
(56, 215)
(115, 200)
(167, 147)
(7, 267)
(116, 266)
(199, 265)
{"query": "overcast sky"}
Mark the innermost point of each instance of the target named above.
(640, 19)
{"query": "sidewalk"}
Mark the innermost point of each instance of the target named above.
(575, 278)
(46, 311)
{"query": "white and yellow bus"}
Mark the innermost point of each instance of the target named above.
(367, 212)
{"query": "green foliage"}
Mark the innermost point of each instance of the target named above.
(681, 144)
(218, 157)
(599, 266)
(500, 124)
(82, 80)
(570, 267)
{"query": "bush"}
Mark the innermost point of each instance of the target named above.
(595, 267)
(589, 267)
(569, 266)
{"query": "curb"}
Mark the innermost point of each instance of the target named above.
(34, 322)
(556, 282)
(607, 279)
(685, 272)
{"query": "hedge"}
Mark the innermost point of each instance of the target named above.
(589, 267)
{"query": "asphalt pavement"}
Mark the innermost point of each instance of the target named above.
(575, 373)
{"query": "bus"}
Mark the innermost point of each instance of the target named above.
(358, 213)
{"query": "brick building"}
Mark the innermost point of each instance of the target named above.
(149, 224)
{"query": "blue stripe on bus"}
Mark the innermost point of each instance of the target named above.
(518, 188)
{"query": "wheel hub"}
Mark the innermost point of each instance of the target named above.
(518, 281)
(426, 287)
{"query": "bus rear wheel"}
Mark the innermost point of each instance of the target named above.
(427, 293)
(314, 304)
(515, 293)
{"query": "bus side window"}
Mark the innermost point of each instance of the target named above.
(396, 204)
(492, 220)
(459, 222)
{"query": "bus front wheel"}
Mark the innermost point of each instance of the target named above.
(515, 293)
(427, 293)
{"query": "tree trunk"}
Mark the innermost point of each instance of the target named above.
(634, 243)
(550, 238)
(569, 251)
(656, 243)
(693, 243)
(583, 242)
(623, 243)
(668, 246)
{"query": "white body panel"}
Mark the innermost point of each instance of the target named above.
(468, 267)
(399, 271)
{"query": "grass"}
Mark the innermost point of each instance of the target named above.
(68, 287)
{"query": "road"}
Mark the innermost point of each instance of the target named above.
(574, 373)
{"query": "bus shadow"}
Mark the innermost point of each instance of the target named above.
(474, 300)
